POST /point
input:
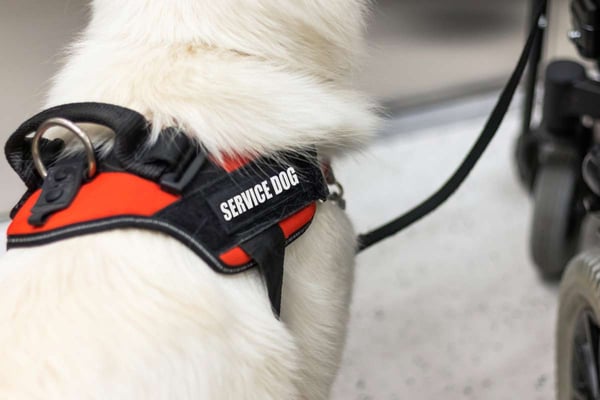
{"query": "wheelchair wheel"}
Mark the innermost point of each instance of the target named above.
(526, 157)
(556, 219)
(578, 333)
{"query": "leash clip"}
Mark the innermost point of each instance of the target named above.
(336, 196)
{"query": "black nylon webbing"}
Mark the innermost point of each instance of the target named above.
(268, 250)
(123, 121)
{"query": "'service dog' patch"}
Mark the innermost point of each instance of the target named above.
(241, 199)
(259, 194)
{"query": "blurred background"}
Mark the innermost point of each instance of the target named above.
(452, 307)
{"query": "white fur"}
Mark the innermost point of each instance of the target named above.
(132, 314)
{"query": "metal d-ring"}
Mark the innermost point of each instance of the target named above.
(70, 126)
(338, 195)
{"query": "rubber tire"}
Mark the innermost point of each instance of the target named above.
(554, 233)
(579, 289)
(526, 159)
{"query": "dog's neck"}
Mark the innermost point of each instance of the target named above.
(223, 76)
(322, 37)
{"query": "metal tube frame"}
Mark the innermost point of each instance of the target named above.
(533, 71)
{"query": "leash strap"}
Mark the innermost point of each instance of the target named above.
(489, 131)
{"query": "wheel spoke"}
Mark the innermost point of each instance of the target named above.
(591, 355)
(589, 369)
(585, 378)
(589, 329)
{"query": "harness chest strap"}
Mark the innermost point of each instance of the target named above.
(235, 214)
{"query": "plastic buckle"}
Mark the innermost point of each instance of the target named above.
(60, 187)
(175, 182)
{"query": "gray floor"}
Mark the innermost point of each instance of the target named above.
(451, 308)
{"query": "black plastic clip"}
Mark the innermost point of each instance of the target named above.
(189, 166)
(58, 190)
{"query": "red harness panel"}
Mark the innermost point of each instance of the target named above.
(110, 194)
(113, 194)
(237, 256)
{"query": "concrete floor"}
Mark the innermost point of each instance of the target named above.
(451, 308)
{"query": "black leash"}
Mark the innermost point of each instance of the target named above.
(489, 131)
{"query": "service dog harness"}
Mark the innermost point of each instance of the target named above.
(234, 214)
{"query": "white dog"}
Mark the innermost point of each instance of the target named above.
(133, 314)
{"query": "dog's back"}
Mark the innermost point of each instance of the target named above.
(131, 314)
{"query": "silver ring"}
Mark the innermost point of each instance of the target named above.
(70, 126)
(340, 189)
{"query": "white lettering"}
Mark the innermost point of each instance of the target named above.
(285, 181)
(253, 195)
(234, 212)
(240, 204)
(276, 185)
(259, 194)
(265, 186)
(248, 199)
(293, 177)
(226, 213)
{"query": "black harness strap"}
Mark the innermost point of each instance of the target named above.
(123, 121)
(268, 250)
